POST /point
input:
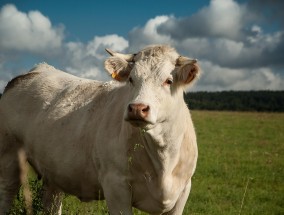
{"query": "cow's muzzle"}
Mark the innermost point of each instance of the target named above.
(137, 114)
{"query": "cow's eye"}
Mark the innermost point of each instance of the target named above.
(130, 80)
(168, 81)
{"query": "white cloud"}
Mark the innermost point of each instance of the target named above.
(32, 37)
(250, 52)
(221, 18)
(97, 46)
(27, 32)
(2, 85)
(234, 52)
(262, 78)
(221, 51)
(141, 37)
(216, 78)
(86, 60)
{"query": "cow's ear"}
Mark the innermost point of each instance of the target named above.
(187, 70)
(119, 65)
(118, 68)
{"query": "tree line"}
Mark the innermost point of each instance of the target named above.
(269, 101)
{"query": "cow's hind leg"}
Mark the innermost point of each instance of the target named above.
(9, 171)
(52, 199)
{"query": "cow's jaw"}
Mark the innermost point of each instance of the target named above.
(140, 123)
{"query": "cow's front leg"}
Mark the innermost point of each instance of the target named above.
(180, 204)
(117, 192)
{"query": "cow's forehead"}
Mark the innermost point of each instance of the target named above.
(155, 60)
(156, 54)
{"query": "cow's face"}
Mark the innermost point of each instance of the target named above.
(155, 78)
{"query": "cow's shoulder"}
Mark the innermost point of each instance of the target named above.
(18, 79)
(36, 71)
(42, 75)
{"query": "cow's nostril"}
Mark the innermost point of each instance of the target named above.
(130, 109)
(146, 109)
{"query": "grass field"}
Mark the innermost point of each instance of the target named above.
(240, 167)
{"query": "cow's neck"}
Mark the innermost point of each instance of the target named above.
(163, 144)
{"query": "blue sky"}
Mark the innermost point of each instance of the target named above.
(84, 19)
(239, 43)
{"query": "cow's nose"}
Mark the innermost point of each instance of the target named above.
(138, 111)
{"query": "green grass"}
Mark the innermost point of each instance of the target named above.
(235, 150)
(240, 167)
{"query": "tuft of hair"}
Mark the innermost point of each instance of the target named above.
(156, 50)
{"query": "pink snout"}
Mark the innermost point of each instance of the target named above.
(138, 111)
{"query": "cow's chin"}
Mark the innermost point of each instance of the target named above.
(143, 124)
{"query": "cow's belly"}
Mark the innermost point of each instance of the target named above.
(68, 170)
(80, 182)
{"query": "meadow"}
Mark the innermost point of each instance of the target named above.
(240, 168)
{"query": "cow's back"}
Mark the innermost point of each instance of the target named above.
(28, 95)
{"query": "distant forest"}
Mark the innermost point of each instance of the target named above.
(266, 101)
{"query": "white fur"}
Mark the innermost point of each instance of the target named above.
(75, 136)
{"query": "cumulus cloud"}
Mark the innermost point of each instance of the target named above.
(258, 51)
(222, 18)
(223, 32)
(27, 32)
(141, 37)
(219, 78)
(243, 54)
(2, 85)
(267, 11)
(233, 42)
(86, 60)
(23, 37)
(97, 46)
(30, 38)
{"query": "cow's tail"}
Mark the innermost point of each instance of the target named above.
(24, 168)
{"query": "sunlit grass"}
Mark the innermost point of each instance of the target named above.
(236, 149)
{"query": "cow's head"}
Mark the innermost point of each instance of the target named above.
(156, 77)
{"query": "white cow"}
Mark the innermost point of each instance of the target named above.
(130, 141)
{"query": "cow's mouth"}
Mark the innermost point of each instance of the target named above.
(139, 123)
